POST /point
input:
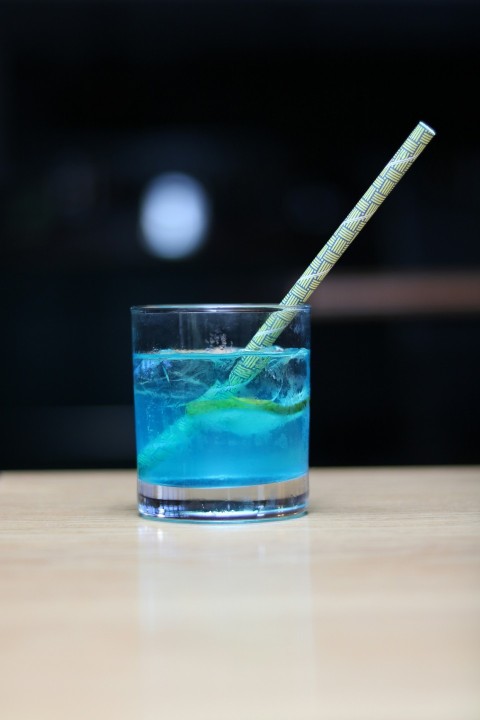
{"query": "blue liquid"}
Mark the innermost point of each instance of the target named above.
(193, 432)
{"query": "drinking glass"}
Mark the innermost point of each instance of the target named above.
(222, 428)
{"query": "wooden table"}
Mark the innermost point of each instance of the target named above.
(368, 607)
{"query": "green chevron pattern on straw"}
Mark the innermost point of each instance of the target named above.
(332, 251)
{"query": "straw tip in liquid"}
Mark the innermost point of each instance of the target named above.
(427, 128)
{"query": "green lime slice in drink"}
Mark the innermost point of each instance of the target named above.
(198, 407)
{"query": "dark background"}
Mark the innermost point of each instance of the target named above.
(285, 112)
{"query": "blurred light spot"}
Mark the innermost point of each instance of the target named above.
(174, 216)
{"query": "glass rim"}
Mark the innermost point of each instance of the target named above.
(218, 307)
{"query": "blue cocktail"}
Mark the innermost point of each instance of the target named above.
(207, 449)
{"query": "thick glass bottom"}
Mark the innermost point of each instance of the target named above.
(266, 501)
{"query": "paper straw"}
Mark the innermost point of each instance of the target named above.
(332, 251)
(247, 368)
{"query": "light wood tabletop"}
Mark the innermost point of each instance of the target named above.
(366, 608)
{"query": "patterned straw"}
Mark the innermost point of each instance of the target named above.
(247, 368)
(332, 251)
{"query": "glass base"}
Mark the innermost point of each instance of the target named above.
(267, 501)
